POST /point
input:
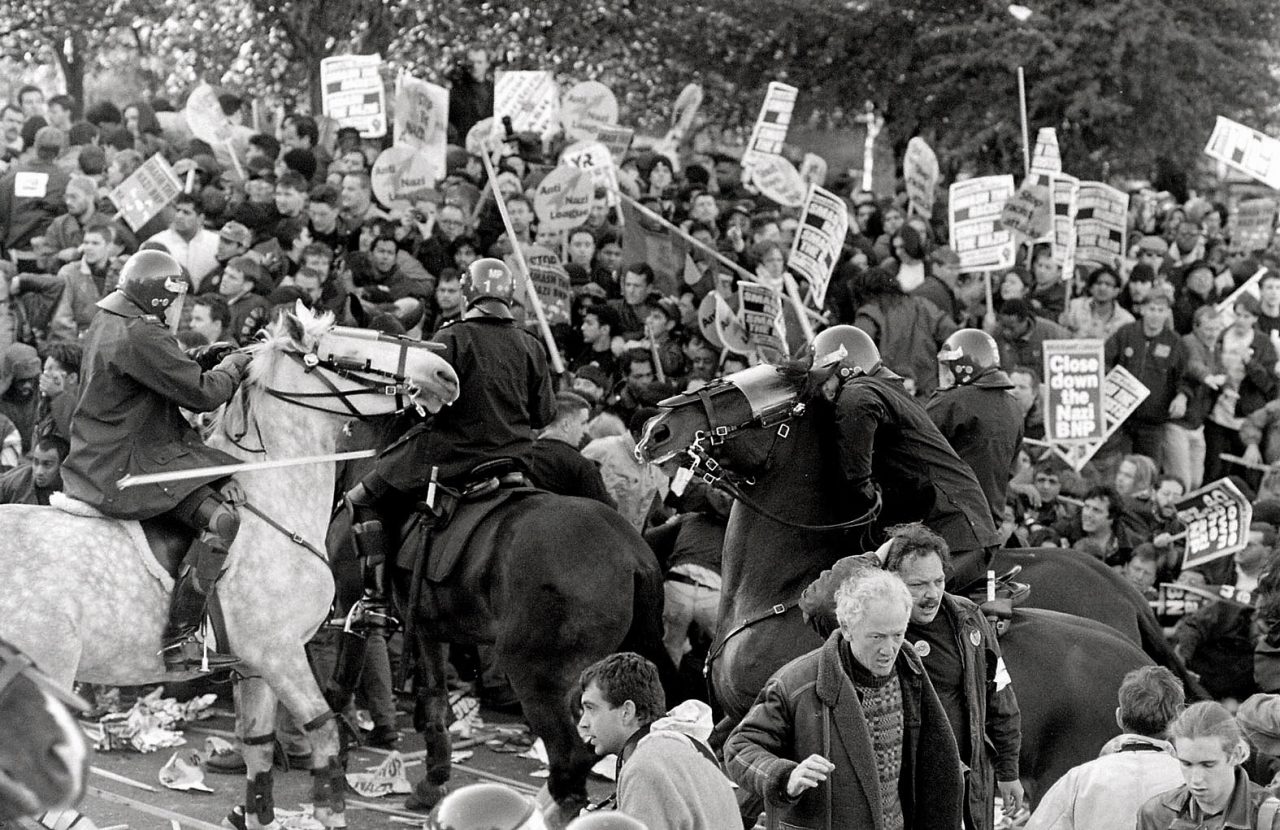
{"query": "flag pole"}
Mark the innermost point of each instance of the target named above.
(1022, 109)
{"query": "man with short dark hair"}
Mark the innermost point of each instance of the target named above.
(1096, 530)
(211, 318)
(448, 295)
(600, 324)
(667, 779)
(248, 308)
(32, 483)
(1021, 334)
(322, 212)
(188, 241)
(1107, 792)
(61, 111)
(556, 464)
(31, 99)
(633, 308)
(470, 93)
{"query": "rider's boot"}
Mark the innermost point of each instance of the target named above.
(367, 528)
(216, 519)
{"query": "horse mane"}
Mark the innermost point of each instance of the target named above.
(796, 374)
(298, 330)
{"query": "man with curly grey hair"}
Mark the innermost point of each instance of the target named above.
(853, 734)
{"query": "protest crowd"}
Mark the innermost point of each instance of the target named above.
(1132, 328)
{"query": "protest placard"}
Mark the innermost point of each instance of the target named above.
(1101, 220)
(1175, 600)
(778, 180)
(725, 331)
(1216, 518)
(422, 120)
(813, 169)
(1029, 211)
(1245, 149)
(920, 171)
(563, 199)
(1046, 158)
(594, 157)
(586, 107)
(770, 132)
(760, 311)
(1062, 242)
(617, 140)
(401, 173)
(976, 233)
(550, 281)
(818, 240)
(146, 192)
(530, 99)
(205, 117)
(352, 93)
(1253, 225)
(1121, 395)
(1074, 377)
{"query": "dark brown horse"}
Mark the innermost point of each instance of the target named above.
(777, 442)
(552, 583)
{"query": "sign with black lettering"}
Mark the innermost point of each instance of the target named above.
(977, 235)
(1217, 518)
(1074, 375)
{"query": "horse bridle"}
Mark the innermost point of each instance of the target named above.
(15, 664)
(714, 474)
(356, 372)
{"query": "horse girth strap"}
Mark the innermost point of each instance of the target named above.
(294, 537)
(775, 611)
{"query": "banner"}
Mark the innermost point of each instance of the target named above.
(205, 117)
(422, 120)
(617, 140)
(352, 93)
(770, 132)
(400, 173)
(1121, 395)
(550, 281)
(1217, 518)
(1253, 153)
(1253, 225)
(1029, 211)
(778, 180)
(530, 99)
(1046, 158)
(647, 240)
(1074, 376)
(1101, 218)
(920, 171)
(760, 310)
(818, 240)
(1062, 243)
(594, 157)
(146, 192)
(563, 199)
(976, 233)
(1174, 599)
(586, 107)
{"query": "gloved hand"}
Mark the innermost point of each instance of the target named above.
(210, 355)
(235, 364)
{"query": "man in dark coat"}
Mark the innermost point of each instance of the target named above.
(555, 464)
(32, 483)
(134, 378)
(961, 655)
(505, 395)
(852, 734)
(887, 443)
(975, 412)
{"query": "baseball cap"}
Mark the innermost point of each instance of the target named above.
(235, 232)
(1153, 244)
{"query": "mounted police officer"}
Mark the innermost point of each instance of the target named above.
(888, 444)
(134, 378)
(975, 412)
(505, 396)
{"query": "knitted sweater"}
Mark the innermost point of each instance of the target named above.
(881, 699)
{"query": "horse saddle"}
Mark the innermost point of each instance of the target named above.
(1008, 594)
(444, 531)
(169, 542)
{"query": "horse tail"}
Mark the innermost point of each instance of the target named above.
(644, 637)
(1157, 647)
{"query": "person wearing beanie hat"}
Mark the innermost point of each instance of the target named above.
(19, 372)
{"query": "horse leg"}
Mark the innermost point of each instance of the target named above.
(255, 725)
(431, 718)
(291, 679)
(545, 700)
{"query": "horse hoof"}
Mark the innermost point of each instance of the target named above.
(425, 795)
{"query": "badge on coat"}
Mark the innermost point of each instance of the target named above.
(1161, 351)
(975, 637)
(922, 649)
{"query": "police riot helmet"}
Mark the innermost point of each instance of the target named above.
(150, 281)
(486, 807)
(846, 350)
(965, 356)
(487, 279)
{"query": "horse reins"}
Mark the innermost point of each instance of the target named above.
(355, 372)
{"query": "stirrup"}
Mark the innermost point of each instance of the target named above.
(188, 656)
